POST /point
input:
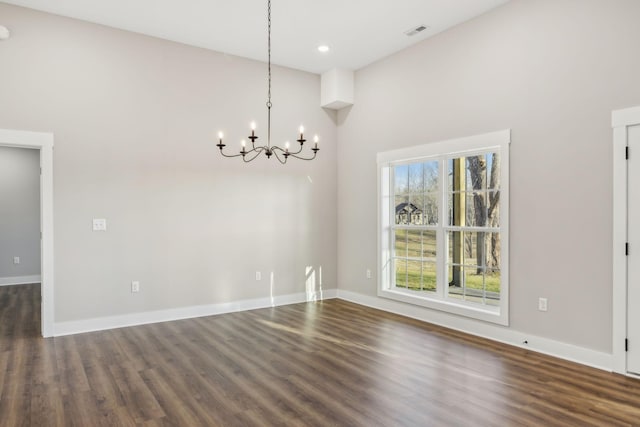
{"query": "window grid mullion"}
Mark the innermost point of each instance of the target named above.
(443, 218)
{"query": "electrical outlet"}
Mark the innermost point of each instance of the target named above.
(135, 286)
(368, 273)
(16, 260)
(99, 224)
(258, 275)
(542, 304)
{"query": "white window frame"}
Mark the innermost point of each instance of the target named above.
(495, 141)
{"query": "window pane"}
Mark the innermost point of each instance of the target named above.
(457, 208)
(401, 273)
(474, 284)
(476, 209)
(456, 174)
(409, 209)
(429, 245)
(430, 212)
(469, 249)
(476, 172)
(493, 209)
(492, 251)
(416, 209)
(474, 280)
(429, 276)
(401, 243)
(454, 248)
(431, 176)
(455, 279)
(463, 283)
(474, 247)
(493, 166)
(401, 179)
(416, 178)
(403, 210)
(414, 243)
(414, 275)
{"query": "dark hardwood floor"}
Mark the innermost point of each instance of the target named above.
(330, 363)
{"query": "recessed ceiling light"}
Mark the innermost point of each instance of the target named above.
(323, 48)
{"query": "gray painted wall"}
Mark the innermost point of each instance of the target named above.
(19, 212)
(552, 71)
(135, 120)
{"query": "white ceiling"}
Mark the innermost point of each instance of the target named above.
(359, 32)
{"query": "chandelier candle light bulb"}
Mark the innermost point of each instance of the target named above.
(282, 154)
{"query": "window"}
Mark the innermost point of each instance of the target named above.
(443, 225)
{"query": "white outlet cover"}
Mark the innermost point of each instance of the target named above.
(4, 33)
(99, 224)
(16, 260)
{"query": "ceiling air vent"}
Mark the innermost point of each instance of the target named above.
(416, 30)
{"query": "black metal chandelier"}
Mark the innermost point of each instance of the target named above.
(282, 154)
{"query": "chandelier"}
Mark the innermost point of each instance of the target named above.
(282, 154)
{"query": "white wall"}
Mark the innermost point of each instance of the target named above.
(134, 120)
(19, 213)
(552, 71)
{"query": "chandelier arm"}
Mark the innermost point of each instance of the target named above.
(230, 155)
(257, 153)
(304, 158)
(296, 152)
(275, 153)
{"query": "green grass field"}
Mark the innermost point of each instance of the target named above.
(421, 275)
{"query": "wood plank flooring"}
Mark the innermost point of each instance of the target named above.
(329, 363)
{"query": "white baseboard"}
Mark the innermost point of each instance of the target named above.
(114, 322)
(493, 332)
(19, 280)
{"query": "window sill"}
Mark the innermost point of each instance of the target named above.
(484, 313)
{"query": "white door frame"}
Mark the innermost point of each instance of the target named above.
(621, 120)
(44, 143)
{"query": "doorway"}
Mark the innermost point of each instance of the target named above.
(44, 143)
(626, 241)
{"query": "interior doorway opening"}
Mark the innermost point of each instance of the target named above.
(44, 143)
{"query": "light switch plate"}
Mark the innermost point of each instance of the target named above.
(99, 224)
(542, 304)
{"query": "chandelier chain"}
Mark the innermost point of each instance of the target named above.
(269, 104)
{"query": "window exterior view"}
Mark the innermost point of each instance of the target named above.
(443, 226)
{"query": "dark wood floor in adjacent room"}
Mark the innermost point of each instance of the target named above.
(330, 363)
